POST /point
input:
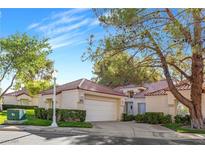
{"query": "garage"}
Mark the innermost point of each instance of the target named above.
(99, 110)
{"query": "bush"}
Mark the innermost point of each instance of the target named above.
(126, 117)
(8, 106)
(140, 118)
(185, 120)
(166, 119)
(66, 115)
(153, 117)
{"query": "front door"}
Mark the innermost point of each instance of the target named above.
(141, 108)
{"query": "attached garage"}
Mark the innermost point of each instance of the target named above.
(98, 110)
(100, 103)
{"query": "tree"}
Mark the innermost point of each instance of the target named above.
(23, 59)
(158, 35)
(121, 70)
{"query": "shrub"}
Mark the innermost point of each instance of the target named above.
(166, 119)
(8, 106)
(185, 120)
(140, 118)
(61, 114)
(127, 117)
(153, 117)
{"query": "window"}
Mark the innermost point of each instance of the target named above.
(141, 108)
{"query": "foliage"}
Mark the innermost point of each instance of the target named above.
(120, 70)
(32, 120)
(34, 87)
(75, 124)
(65, 115)
(140, 118)
(24, 58)
(153, 118)
(167, 39)
(184, 120)
(3, 117)
(127, 117)
(179, 128)
(8, 106)
(166, 119)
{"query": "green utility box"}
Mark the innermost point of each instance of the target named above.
(16, 114)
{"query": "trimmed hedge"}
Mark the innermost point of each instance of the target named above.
(126, 117)
(8, 106)
(185, 120)
(66, 115)
(153, 118)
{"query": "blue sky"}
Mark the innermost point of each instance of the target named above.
(67, 29)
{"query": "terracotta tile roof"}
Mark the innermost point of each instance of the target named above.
(150, 87)
(83, 84)
(183, 85)
(17, 93)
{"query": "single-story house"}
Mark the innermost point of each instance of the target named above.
(20, 97)
(156, 97)
(163, 100)
(135, 102)
(101, 103)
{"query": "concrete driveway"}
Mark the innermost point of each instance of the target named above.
(133, 129)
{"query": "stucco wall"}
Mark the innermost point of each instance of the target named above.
(157, 104)
(13, 100)
(9, 100)
(70, 99)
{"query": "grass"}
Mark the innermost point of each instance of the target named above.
(2, 117)
(31, 120)
(75, 124)
(181, 129)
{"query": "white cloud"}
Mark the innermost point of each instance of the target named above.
(34, 25)
(65, 28)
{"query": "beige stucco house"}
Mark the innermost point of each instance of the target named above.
(135, 100)
(156, 97)
(20, 97)
(101, 103)
(163, 100)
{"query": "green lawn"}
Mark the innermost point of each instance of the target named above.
(31, 120)
(2, 117)
(179, 128)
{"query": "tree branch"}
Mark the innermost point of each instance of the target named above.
(11, 84)
(171, 85)
(180, 71)
(184, 31)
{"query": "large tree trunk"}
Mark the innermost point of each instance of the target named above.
(196, 91)
(197, 74)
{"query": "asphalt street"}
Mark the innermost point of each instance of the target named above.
(46, 138)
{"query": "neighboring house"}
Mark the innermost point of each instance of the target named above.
(163, 100)
(135, 102)
(20, 97)
(101, 103)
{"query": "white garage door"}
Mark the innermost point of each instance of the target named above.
(100, 110)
